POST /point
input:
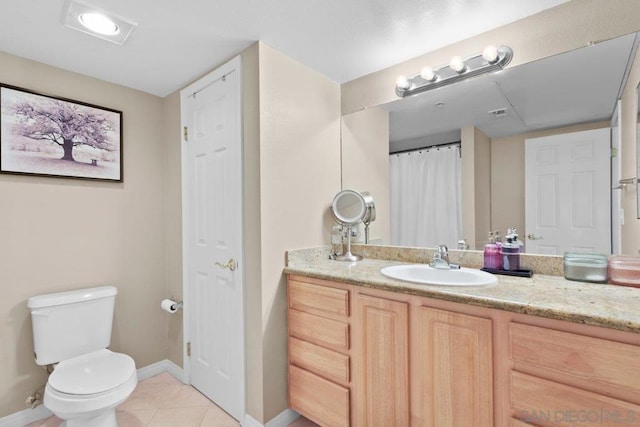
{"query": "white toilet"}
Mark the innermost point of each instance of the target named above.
(72, 331)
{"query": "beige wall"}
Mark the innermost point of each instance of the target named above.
(476, 185)
(365, 164)
(507, 176)
(173, 218)
(299, 175)
(61, 234)
(631, 227)
(252, 231)
(559, 29)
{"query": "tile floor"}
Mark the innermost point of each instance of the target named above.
(162, 401)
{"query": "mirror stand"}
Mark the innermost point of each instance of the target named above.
(348, 208)
(348, 256)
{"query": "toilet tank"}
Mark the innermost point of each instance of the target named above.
(69, 324)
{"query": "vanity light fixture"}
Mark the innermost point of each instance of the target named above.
(91, 20)
(491, 59)
(458, 65)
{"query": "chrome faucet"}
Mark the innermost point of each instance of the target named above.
(441, 259)
(443, 251)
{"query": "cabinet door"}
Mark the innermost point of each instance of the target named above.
(380, 362)
(452, 369)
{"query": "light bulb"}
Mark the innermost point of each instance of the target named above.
(403, 83)
(428, 74)
(457, 64)
(490, 54)
(98, 23)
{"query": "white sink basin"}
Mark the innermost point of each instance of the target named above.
(422, 273)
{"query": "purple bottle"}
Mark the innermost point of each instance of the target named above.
(492, 257)
(510, 254)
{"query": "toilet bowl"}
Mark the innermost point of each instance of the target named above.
(85, 390)
(71, 333)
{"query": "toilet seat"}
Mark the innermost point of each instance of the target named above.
(91, 382)
(92, 373)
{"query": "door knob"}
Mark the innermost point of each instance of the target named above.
(532, 236)
(231, 265)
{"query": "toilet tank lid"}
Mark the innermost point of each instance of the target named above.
(69, 297)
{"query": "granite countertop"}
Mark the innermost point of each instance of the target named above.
(609, 306)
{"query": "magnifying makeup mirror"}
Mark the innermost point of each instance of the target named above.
(348, 209)
(369, 215)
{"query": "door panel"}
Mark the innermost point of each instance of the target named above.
(454, 384)
(213, 149)
(568, 192)
(381, 362)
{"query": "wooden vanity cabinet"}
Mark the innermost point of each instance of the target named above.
(562, 378)
(319, 344)
(396, 361)
(453, 369)
(381, 362)
(367, 357)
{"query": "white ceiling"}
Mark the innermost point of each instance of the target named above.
(178, 41)
(579, 86)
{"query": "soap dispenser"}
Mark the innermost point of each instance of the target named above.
(516, 239)
(510, 254)
(492, 256)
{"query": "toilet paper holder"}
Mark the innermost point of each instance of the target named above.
(177, 305)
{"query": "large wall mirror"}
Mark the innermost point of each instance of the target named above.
(573, 93)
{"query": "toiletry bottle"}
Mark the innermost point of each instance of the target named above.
(496, 235)
(337, 235)
(510, 254)
(517, 240)
(491, 253)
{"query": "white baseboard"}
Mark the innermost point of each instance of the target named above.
(161, 367)
(25, 417)
(28, 416)
(283, 419)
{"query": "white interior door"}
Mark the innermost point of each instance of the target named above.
(567, 193)
(213, 237)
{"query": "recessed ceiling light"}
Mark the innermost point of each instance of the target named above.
(99, 23)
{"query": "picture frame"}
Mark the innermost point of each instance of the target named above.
(46, 135)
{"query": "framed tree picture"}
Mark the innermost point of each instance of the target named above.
(51, 136)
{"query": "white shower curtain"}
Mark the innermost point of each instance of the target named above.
(426, 201)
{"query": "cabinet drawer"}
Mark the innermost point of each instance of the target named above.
(318, 299)
(595, 364)
(545, 403)
(318, 399)
(319, 330)
(326, 363)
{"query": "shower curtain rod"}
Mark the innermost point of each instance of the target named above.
(458, 143)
